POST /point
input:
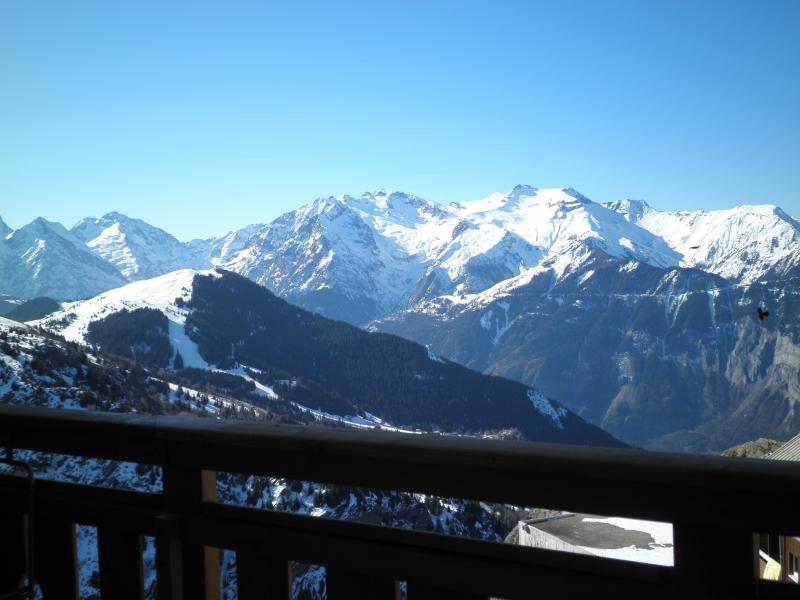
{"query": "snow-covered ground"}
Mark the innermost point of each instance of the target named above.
(657, 552)
(620, 538)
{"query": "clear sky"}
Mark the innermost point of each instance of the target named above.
(204, 116)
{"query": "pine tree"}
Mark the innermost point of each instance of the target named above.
(177, 364)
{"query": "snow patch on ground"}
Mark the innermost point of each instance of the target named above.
(182, 343)
(261, 389)
(546, 408)
(432, 356)
(368, 421)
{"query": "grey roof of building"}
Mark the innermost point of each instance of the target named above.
(574, 530)
(789, 451)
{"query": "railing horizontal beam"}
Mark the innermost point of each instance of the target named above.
(633, 483)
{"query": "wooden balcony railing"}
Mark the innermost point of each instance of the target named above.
(716, 506)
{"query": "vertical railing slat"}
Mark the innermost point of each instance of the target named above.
(12, 548)
(185, 490)
(716, 563)
(121, 572)
(416, 591)
(55, 557)
(261, 577)
(342, 585)
(169, 559)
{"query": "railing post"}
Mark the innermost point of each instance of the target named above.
(185, 490)
(715, 562)
(169, 559)
(12, 548)
(341, 585)
(260, 576)
(418, 591)
(56, 557)
(121, 570)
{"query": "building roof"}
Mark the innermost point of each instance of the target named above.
(788, 451)
(611, 537)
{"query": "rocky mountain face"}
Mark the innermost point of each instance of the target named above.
(670, 358)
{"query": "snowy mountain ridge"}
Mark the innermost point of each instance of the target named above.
(138, 250)
(361, 258)
(740, 243)
(44, 259)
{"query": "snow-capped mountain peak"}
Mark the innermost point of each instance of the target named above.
(44, 259)
(741, 243)
(633, 210)
(137, 249)
(553, 219)
(41, 229)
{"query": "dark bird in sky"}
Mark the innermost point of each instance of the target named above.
(762, 313)
(693, 247)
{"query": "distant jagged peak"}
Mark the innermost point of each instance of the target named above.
(634, 207)
(118, 216)
(318, 206)
(42, 228)
(630, 208)
(522, 198)
(398, 207)
(380, 194)
(783, 215)
(90, 228)
(386, 197)
(4, 229)
(521, 191)
(106, 219)
(572, 192)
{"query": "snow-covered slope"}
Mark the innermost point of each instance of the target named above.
(138, 250)
(161, 293)
(741, 243)
(44, 259)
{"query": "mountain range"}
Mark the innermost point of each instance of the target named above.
(642, 321)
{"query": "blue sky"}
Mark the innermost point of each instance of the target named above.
(204, 116)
